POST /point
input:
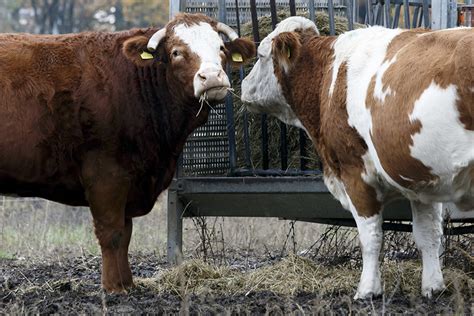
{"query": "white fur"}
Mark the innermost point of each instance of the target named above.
(427, 232)
(443, 144)
(379, 93)
(205, 42)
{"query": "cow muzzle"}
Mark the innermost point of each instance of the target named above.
(211, 84)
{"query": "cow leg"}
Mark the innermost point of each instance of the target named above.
(370, 236)
(361, 199)
(427, 232)
(107, 201)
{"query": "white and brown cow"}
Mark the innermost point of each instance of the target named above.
(391, 113)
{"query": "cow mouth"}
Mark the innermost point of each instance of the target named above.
(217, 93)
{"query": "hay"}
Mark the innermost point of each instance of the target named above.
(295, 274)
(255, 130)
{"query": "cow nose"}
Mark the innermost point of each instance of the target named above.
(206, 75)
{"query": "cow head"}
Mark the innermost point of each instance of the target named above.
(261, 89)
(194, 54)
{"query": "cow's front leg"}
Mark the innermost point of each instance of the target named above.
(427, 232)
(366, 210)
(107, 199)
(370, 236)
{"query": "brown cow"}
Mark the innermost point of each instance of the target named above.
(99, 119)
(391, 114)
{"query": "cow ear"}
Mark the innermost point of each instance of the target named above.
(135, 49)
(286, 49)
(241, 50)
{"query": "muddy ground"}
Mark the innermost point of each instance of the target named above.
(71, 285)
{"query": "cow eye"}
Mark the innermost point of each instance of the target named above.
(175, 53)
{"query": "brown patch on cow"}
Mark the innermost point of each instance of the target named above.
(432, 57)
(286, 48)
(464, 65)
(325, 117)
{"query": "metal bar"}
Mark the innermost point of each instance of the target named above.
(222, 11)
(265, 160)
(406, 13)
(332, 27)
(283, 130)
(176, 6)
(292, 8)
(175, 229)
(426, 14)
(416, 13)
(369, 13)
(387, 6)
(229, 108)
(275, 173)
(273, 12)
(396, 16)
(253, 13)
(237, 17)
(350, 16)
(312, 16)
(263, 120)
(303, 161)
(283, 146)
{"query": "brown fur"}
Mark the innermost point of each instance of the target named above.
(435, 62)
(339, 145)
(85, 121)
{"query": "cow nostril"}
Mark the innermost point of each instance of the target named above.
(202, 77)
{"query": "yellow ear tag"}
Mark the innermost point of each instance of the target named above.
(237, 57)
(289, 53)
(146, 56)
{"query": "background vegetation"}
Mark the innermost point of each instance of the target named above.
(67, 16)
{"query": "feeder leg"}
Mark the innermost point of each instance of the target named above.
(175, 228)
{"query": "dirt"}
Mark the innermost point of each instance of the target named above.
(71, 285)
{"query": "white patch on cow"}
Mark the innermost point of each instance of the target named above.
(369, 175)
(205, 42)
(379, 93)
(336, 188)
(364, 50)
(427, 232)
(202, 40)
(261, 90)
(448, 150)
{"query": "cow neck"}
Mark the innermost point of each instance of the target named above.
(306, 102)
(173, 117)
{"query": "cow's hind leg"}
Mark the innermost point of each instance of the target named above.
(427, 232)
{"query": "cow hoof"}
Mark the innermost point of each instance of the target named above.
(367, 295)
(433, 289)
(117, 288)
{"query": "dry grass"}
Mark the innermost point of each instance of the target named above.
(296, 274)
